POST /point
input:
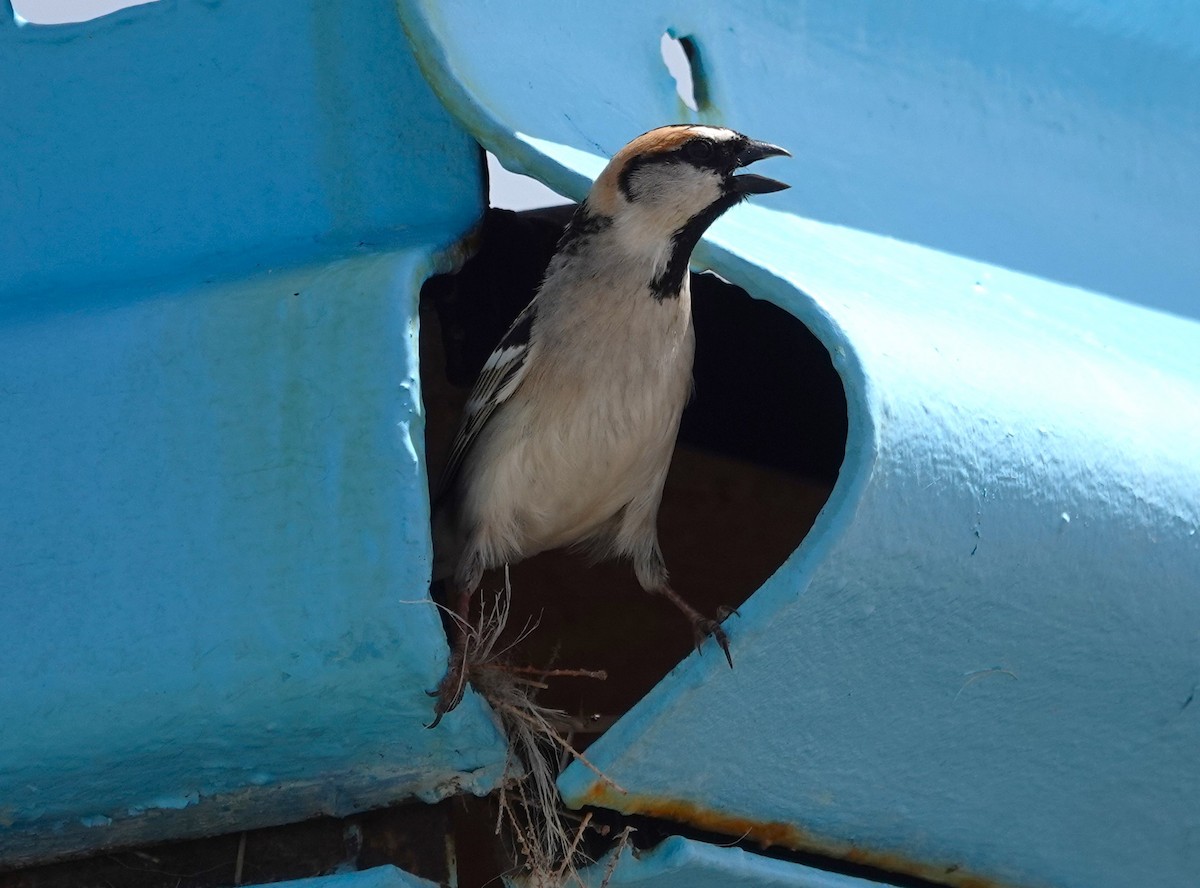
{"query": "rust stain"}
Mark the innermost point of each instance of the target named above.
(783, 835)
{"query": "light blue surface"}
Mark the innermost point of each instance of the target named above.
(214, 551)
(681, 863)
(1057, 137)
(167, 136)
(379, 877)
(983, 661)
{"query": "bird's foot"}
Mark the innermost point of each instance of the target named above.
(706, 628)
(702, 626)
(449, 691)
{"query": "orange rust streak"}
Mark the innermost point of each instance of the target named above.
(784, 835)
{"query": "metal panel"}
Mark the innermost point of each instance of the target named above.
(164, 134)
(981, 664)
(213, 482)
(1056, 137)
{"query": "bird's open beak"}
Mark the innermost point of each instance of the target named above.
(750, 183)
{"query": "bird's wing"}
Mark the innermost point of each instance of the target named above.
(499, 378)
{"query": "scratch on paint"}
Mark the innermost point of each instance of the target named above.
(975, 674)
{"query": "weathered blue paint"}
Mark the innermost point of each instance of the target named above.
(214, 550)
(1057, 137)
(168, 136)
(379, 877)
(983, 661)
(681, 863)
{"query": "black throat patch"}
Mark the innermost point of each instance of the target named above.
(669, 282)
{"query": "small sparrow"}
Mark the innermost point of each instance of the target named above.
(568, 433)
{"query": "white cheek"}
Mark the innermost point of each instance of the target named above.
(670, 196)
(667, 199)
(696, 192)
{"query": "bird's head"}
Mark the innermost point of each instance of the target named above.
(675, 173)
(667, 186)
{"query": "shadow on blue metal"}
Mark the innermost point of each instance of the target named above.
(214, 549)
(981, 664)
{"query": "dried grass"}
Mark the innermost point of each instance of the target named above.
(544, 838)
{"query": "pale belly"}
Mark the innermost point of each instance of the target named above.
(597, 447)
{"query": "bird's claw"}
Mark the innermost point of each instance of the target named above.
(449, 691)
(712, 629)
(724, 612)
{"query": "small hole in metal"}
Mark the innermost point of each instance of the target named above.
(679, 55)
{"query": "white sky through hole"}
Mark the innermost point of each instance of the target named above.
(512, 191)
(61, 12)
(674, 56)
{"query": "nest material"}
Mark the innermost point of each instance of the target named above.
(544, 838)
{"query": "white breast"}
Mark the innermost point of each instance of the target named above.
(591, 429)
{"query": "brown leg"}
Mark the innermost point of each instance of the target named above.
(450, 689)
(702, 626)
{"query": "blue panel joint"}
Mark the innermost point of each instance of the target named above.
(214, 549)
(982, 662)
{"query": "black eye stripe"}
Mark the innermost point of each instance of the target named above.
(706, 152)
(719, 156)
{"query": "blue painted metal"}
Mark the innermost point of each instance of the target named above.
(1057, 137)
(215, 223)
(201, 131)
(982, 663)
(681, 863)
(379, 877)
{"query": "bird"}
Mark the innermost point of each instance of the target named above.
(568, 432)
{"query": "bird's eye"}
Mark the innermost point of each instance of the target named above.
(699, 149)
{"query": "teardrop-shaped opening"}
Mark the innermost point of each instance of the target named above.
(682, 58)
(759, 450)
